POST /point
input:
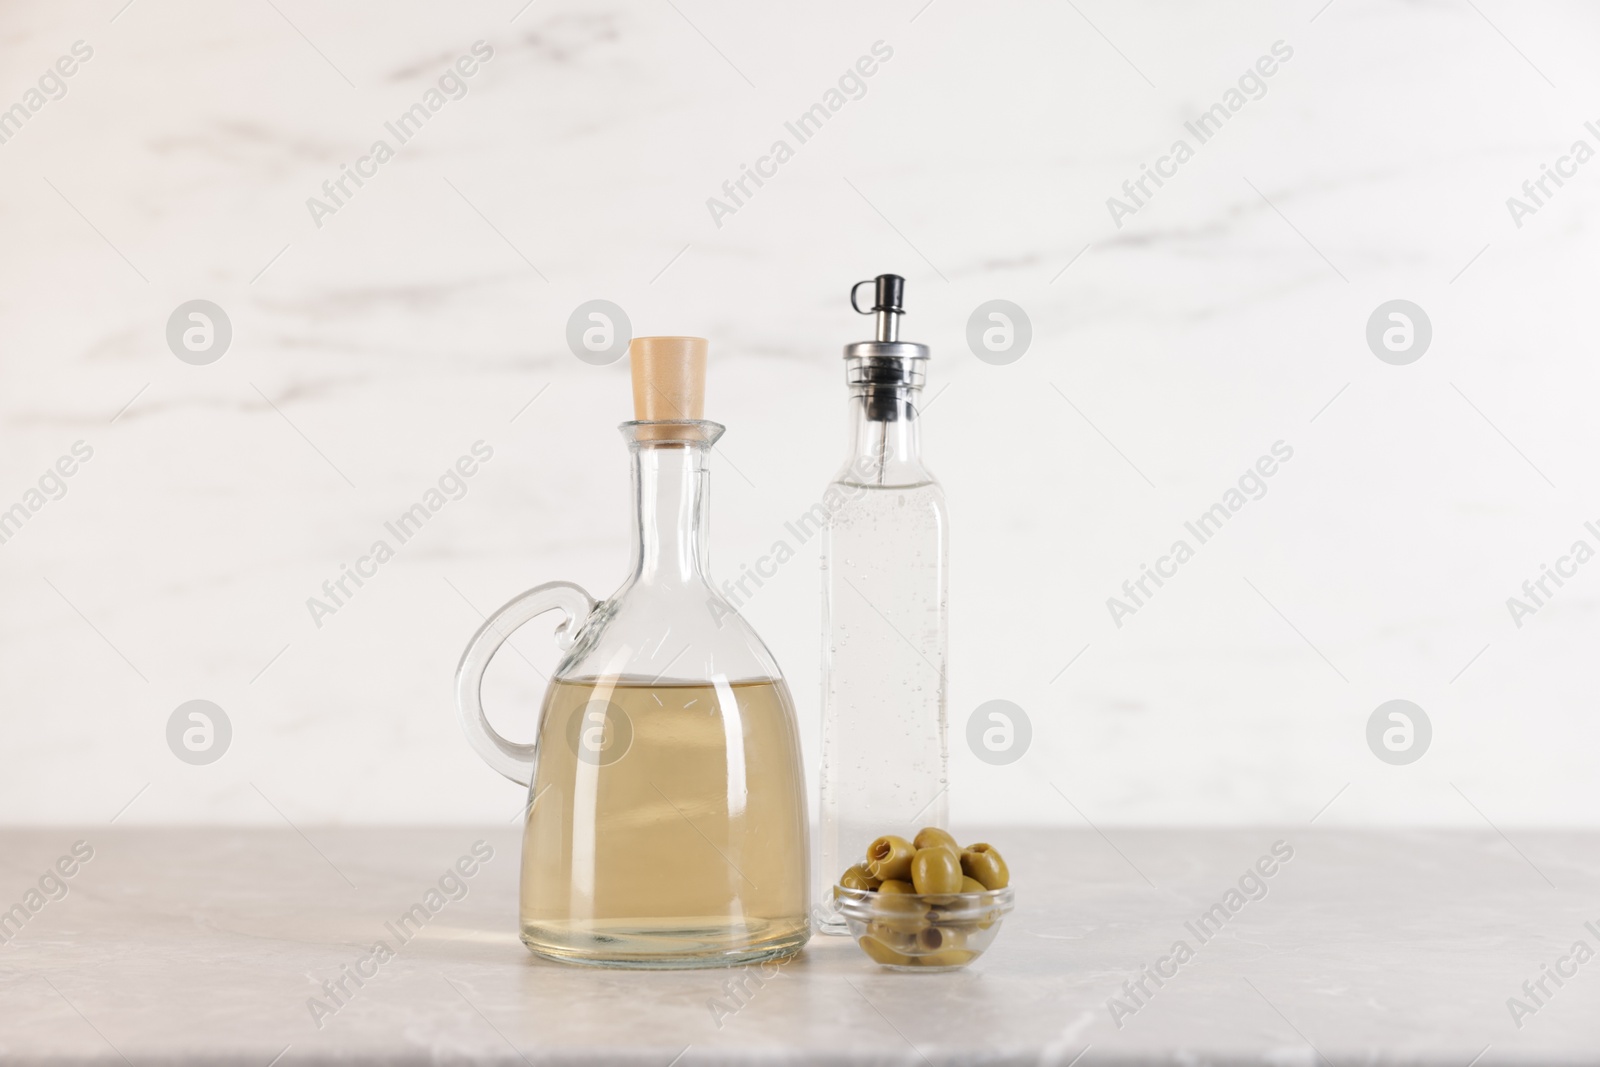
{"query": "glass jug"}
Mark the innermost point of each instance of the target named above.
(666, 822)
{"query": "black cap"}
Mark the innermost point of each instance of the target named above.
(888, 294)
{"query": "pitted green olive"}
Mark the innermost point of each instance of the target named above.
(893, 935)
(939, 938)
(902, 911)
(971, 885)
(858, 878)
(936, 870)
(929, 836)
(955, 957)
(889, 857)
(895, 885)
(882, 953)
(984, 865)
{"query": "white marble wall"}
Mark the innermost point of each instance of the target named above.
(1227, 314)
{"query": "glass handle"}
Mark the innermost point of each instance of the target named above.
(512, 760)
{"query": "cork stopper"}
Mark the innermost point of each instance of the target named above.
(669, 381)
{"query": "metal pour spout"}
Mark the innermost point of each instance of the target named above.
(885, 370)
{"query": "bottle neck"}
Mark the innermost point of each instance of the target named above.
(671, 486)
(885, 437)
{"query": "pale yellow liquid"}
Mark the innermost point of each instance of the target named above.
(683, 846)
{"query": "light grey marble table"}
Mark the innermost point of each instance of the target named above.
(213, 946)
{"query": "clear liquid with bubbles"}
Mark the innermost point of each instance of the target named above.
(885, 753)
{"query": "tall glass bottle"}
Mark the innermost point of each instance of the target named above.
(885, 754)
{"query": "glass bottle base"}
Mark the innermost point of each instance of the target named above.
(678, 944)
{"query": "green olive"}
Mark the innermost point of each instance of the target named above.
(955, 957)
(929, 836)
(983, 864)
(895, 936)
(939, 938)
(882, 953)
(966, 919)
(889, 857)
(936, 870)
(891, 886)
(858, 878)
(900, 911)
(971, 885)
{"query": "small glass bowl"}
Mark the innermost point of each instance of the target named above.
(923, 932)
